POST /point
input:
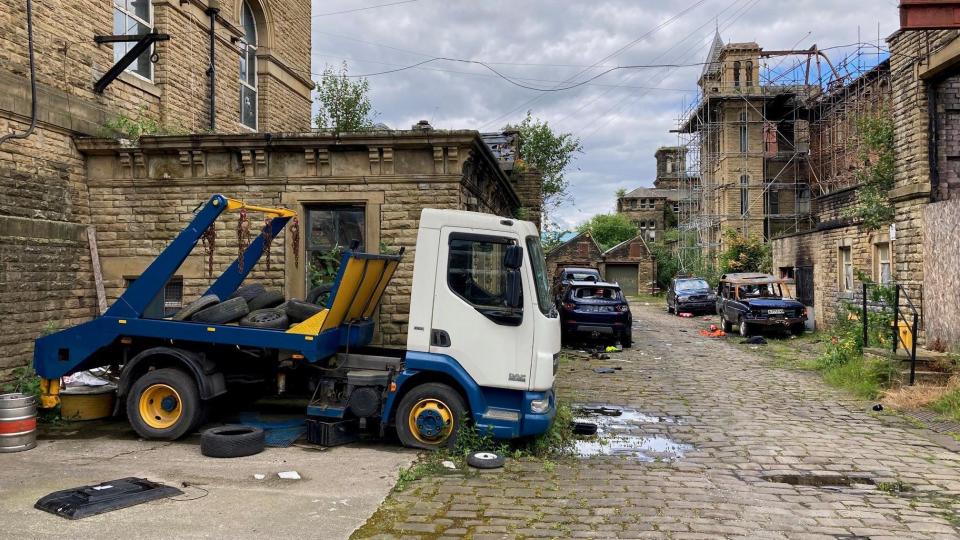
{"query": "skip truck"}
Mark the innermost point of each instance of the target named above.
(482, 343)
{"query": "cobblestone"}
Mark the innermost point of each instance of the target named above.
(746, 420)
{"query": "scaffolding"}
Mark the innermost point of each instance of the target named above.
(800, 107)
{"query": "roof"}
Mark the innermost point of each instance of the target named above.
(654, 193)
(571, 240)
(630, 241)
(712, 65)
(504, 146)
(751, 278)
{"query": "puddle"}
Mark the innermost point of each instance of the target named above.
(627, 432)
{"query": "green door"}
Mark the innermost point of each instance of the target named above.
(626, 275)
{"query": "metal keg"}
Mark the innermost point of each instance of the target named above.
(18, 422)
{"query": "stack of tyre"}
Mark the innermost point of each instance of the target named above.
(255, 306)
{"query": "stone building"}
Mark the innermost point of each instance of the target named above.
(751, 139)
(657, 209)
(827, 260)
(628, 263)
(65, 186)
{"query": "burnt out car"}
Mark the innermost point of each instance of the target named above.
(690, 295)
(566, 276)
(596, 310)
(755, 302)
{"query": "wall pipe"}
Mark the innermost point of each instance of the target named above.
(33, 82)
(212, 10)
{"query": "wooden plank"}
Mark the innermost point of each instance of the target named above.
(97, 273)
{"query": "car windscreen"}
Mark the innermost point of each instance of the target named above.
(596, 293)
(581, 276)
(692, 285)
(763, 290)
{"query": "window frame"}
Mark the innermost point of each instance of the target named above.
(308, 225)
(127, 45)
(484, 309)
(879, 262)
(845, 263)
(744, 194)
(246, 47)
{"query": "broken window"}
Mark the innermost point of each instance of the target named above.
(330, 230)
(133, 18)
(882, 265)
(248, 69)
(845, 259)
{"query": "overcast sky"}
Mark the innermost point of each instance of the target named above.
(621, 117)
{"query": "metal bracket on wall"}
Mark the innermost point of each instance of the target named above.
(143, 42)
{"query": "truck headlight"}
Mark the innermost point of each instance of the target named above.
(539, 406)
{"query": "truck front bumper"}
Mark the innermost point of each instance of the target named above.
(504, 423)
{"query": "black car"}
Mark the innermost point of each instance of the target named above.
(690, 295)
(755, 301)
(566, 276)
(596, 310)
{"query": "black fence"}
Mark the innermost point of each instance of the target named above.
(902, 309)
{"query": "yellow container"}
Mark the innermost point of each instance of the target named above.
(87, 402)
(906, 335)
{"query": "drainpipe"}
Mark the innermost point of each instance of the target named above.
(33, 82)
(213, 8)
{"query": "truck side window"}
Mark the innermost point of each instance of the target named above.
(475, 270)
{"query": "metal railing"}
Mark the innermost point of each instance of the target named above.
(899, 294)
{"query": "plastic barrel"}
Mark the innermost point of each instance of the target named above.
(18, 422)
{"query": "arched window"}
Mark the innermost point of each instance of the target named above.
(248, 69)
(736, 74)
(749, 73)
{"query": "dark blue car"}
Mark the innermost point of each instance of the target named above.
(756, 301)
(596, 310)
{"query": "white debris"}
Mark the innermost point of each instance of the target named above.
(289, 475)
(259, 476)
(449, 464)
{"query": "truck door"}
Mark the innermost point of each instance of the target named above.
(472, 322)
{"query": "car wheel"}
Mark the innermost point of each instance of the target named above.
(669, 309)
(164, 404)
(626, 338)
(725, 324)
(429, 417)
(744, 328)
(797, 329)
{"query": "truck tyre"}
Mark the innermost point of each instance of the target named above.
(485, 460)
(223, 313)
(197, 305)
(266, 318)
(430, 416)
(299, 311)
(248, 292)
(268, 299)
(232, 441)
(164, 404)
(320, 294)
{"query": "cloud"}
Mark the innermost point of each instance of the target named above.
(622, 117)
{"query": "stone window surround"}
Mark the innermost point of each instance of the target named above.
(876, 241)
(844, 245)
(294, 278)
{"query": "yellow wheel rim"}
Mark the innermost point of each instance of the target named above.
(160, 406)
(431, 421)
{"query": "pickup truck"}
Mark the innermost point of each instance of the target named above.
(482, 345)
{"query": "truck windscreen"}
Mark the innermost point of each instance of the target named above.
(539, 265)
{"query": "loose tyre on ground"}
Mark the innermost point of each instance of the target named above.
(430, 416)
(232, 441)
(164, 404)
(485, 460)
(223, 313)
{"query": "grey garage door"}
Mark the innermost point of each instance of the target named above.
(625, 275)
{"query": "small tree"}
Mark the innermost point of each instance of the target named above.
(609, 229)
(876, 174)
(549, 153)
(744, 253)
(344, 102)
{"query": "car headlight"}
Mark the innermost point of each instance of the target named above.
(539, 406)
(684, 298)
(711, 297)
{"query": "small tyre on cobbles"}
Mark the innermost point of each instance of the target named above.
(299, 311)
(229, 311)
(232, 441)
(485, 460)
(197, 305)
(268, 299)
(248, 292)
(266, 318)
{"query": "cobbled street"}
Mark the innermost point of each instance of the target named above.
(773, 453)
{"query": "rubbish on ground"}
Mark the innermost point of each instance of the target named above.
(600, 356)
(686, 315)
(289, 475)
(485, 460)
(259, 476)
(583, 428)
(82, 402)
(18, 422)
(449, 464)
(605, 411)
(84, 501)
(613, 348)
(231, 441)
(754, 340)
(84, 378)
(708, 318)
(658, 358)
(604, 370)
(713, 332)
(878, 407)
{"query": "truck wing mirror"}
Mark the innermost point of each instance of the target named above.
(513, 257)
(514, 288)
